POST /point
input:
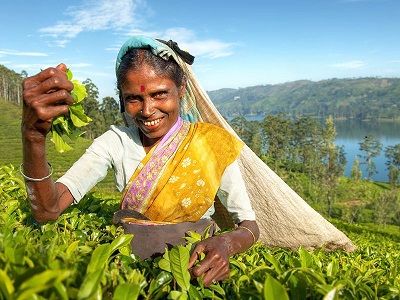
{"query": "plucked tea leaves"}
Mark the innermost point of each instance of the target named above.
(70, 125)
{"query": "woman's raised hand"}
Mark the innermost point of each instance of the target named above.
(46, 95)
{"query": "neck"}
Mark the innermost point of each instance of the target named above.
(147, 142)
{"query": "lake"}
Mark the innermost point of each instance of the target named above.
(351, 132)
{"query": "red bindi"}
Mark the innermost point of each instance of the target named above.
(142, 88)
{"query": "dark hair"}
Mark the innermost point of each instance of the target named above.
(135, 58)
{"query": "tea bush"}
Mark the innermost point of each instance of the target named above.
(82, 255)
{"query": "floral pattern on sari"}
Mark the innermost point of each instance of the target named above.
(182, 188)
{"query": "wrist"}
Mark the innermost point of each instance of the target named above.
(32, 136)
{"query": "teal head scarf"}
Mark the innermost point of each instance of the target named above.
(166, 50)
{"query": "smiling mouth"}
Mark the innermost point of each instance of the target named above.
(151, 123)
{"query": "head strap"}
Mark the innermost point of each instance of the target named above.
(186, 56)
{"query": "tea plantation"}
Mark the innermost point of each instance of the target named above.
(83, 255)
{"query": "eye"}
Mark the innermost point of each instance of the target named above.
(132, 98)
(160, 95)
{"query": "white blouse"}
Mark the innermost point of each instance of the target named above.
(120, 148)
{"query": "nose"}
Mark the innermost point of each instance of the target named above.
(148, 107)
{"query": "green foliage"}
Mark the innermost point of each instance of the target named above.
(68, 125)
(11, 85)
(83, 256)
(355, 98)
(371, 147)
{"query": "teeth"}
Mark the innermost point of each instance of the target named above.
(151, 123)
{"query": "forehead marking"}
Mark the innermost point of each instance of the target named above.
(142, 88)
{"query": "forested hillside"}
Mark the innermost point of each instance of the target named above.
(360, 98)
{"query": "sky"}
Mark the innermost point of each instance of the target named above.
(237, 44)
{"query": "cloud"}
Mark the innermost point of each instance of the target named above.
(354, 64)
(4, 52)
(92, 16)
(211, 48)
(188, 41)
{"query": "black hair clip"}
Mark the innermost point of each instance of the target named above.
(186, 56)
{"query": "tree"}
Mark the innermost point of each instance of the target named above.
(333, 162)
(10, 85)
(304, 151)
(372, 148)
(109, 108)
(24, 74)
(356, 173)
(91, 108)
(386, 207)
(249, 132)
(241, 126)
(277, 130)
(392, 153)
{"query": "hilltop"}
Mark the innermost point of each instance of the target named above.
(359, 98)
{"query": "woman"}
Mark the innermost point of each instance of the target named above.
(178, 167)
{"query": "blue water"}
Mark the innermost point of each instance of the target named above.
(351, 132)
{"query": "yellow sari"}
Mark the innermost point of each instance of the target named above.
(178, 181)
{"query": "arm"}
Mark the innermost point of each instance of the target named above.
(46, 95)
(218, 249)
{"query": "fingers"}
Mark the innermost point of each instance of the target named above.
(215, 265)
(214, 269)
(49, 80)
(62, 67)
(46, 95)
(49, 106)
(216, 274)
(195, 254)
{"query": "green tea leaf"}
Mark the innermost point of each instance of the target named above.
(179, 258)
(333, 294)
(41, 282)
(274, 290)
(79, 91)
(162, 279)
(178, 295)
(127, 291)
(61, 291)
(6, 285)
(120, 241)
(305, 258)
(61, 145)
(91, 284)
(67, 125)
(195, 294)
(77, 115)
(99, 258)
(71, 249)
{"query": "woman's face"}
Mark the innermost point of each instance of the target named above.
(152, 101)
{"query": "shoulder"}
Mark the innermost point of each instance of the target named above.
(208, 128)
(119, 132)
(214, 132)
(116, 137)
(124, 130)
(217, 136)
